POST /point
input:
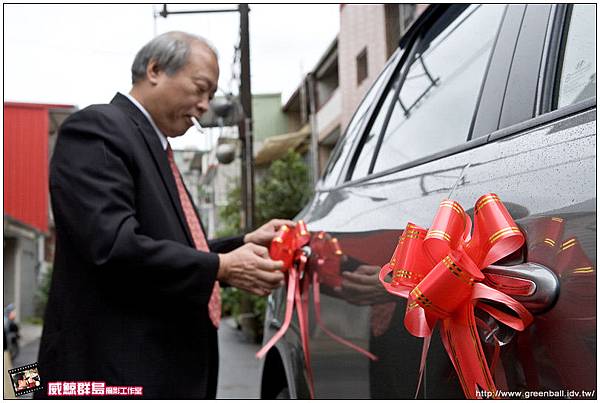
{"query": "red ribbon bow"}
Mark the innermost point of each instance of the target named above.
(439, 271)
(287, 246)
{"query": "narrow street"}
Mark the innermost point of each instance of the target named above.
(238, 368)
(239, 376)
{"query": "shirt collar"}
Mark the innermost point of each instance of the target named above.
(161, 136)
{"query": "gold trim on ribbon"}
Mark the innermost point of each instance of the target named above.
(568, 244)
(457, 364)
(418, 294)
(484, 201)
(436, 233)
(454, 206)
(408, 274)
(411, 235)
(457, 271)
(502, 232)
(557, 219)
(412, 229)
(410, 226)
(581, 270)
(426, 302)
(550, 242)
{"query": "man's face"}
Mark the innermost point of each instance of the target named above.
(185, 94)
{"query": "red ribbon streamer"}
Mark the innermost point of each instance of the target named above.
(439, 271)
(287, 246)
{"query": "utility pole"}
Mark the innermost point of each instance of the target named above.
(245, 125)
(314, 129)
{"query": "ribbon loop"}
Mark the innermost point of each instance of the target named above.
(287, 244)
(495, 233)
(409, 264)
(439, 271)
(288, 247)
(447, 230)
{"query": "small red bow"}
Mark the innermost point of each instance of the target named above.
(439, 271)
(287, 246)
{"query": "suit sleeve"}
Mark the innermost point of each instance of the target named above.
(93, 197)
(225, 245)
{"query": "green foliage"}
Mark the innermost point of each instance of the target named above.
(282, 193)
(230, 215)
(259, 307)
(230, 301)
(284, 190)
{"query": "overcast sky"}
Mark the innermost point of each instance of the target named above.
(82, 54)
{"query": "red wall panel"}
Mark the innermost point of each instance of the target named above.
(26, 164)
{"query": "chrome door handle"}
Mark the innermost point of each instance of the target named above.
(532, 284)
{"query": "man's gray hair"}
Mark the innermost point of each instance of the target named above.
(170, 51)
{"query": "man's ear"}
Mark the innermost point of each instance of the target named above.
(153, 72)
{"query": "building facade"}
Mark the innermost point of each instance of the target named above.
(331, 92)
(29, 137)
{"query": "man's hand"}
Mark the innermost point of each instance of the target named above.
(362, 286)
(265, 234)
(249, 268)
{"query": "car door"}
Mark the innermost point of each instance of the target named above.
(540, 159)
(412, 151)
(284, 366)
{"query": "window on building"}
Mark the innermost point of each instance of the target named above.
(362, 69)
(433, 108)
(577, 73)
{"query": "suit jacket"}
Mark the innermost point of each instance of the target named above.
(129, 294)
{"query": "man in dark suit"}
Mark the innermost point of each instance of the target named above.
(134, 298)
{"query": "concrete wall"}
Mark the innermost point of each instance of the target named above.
(361, 26)
(22, 263)
(268, 118)
(328, 117)
(29, 271)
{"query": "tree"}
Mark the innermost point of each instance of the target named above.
(282, 193)
(230, 214)
(284, 190)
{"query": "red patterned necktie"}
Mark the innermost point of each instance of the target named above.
(214, 304)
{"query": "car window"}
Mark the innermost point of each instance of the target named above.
(577, 76)
(347, 142)
(361, 167)
(437, 100)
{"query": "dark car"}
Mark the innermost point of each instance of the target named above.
(477, 99)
